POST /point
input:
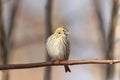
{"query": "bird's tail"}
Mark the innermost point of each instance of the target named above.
(67, 69)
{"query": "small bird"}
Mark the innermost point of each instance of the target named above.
(58, 46)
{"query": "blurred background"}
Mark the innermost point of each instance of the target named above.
(26, 24)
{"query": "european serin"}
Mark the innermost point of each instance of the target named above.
(58, 46)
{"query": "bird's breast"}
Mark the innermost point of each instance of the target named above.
(56, 49)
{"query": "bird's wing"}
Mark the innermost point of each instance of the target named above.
(67, 49)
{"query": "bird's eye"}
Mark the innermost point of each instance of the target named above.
(58, 32)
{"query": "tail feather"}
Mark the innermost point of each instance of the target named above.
(67, 69)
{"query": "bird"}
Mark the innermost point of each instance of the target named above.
(58, 46)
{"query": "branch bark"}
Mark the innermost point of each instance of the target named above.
(56, 63)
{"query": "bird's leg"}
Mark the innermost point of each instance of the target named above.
(53, 61)
(60, 61)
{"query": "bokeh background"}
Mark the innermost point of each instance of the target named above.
(89, 23)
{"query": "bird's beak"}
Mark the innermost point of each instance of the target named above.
(67, 33)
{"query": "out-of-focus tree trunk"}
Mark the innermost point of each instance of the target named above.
(113, 71)
(105, 21)
(9, 12)
(101, 25)
(3, 48)
(48, 33)
(100, 18)
(6, 34)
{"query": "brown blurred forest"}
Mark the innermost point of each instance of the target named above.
(94, 34)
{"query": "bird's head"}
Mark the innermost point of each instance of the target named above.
(62, 31)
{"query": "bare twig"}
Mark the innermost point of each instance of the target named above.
(56, 63)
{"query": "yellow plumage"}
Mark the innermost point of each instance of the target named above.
(58, 45)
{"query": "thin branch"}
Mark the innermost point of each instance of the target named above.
(56, 63)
